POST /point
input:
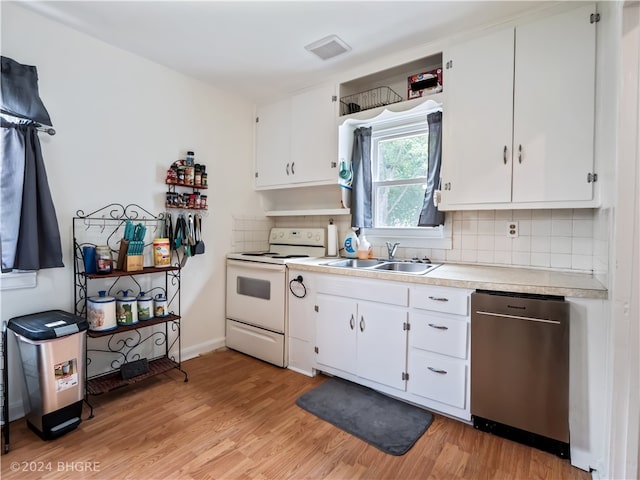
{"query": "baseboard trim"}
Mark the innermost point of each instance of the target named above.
(205, 347)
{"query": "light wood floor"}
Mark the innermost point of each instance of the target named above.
(236, 418)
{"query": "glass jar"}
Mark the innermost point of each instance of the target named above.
(104, 261)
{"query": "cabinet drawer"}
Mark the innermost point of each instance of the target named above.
(437, 377)
(439, 333)
(441, 299)
(361, 289)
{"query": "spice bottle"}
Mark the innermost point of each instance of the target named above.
(190, 160)
(203, 175)
(198, 175)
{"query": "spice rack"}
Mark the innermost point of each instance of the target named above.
(156, 339)
(190, 175)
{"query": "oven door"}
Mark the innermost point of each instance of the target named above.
(256, 294)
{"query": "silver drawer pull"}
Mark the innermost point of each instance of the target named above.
(439, 327)
(439, 299)
(435, 370)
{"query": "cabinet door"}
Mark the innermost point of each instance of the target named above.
(314, 136)
(476, 155)
(554, 108)
(336, 332)
(273, 144)
(382, 343)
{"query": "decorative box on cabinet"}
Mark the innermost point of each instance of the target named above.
(519, 129)
(156, 339)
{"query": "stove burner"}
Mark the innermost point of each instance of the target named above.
(288, 256)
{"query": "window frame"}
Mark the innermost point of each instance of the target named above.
(423, 237)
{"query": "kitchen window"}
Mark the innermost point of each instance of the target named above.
(399, 174)
(400, 171)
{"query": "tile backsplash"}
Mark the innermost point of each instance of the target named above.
(563, 239)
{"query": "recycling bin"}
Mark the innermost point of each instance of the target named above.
(52, 351)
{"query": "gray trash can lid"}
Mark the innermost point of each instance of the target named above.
(48, 325)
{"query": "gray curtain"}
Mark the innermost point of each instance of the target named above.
(430, 216)
(29, 233)
(361, 210)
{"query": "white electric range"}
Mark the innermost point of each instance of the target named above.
(256, 299)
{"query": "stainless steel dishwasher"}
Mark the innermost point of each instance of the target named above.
(520, 368)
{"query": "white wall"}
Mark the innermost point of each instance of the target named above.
(121, 121)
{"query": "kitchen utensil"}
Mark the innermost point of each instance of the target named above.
(199, 249)
(190, 238)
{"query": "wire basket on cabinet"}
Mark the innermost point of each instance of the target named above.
(375, 97)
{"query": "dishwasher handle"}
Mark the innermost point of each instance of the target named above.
(518, 317)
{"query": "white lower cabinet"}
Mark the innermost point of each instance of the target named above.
(438, 353)
(438, 378)
(411, 342)
(363, 338)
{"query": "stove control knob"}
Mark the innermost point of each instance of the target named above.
(309, 234)
(317, 237)
(274, 236)
(281, 234)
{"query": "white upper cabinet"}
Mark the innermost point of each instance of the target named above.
(553, 118)
(519, 120)
(273, 143)
(297, 140)
(478, 114)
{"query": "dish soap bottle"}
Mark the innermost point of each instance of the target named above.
(364, 248)
(350, 244)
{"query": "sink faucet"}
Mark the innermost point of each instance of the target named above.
(391, 249)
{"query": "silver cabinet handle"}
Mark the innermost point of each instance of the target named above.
(519, 153)
(352, 322)
(435, 370)
(287, 169)
(439, 327)
(362, 324)
(504, 155)
(293, 172)
(438, 299)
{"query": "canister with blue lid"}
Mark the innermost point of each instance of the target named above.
(126, 308)
(101, 312)
(161, 308)
(145, 306)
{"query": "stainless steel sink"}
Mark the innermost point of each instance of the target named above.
(354, 263)
(406, 267)
(384, 265)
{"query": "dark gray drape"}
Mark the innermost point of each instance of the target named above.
(361, 210)
(29, 234)
(430, 216)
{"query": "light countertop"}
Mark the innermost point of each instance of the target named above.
(506, 279)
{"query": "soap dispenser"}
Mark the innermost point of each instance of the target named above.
(364, 248)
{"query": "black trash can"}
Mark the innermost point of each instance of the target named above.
(52, 350)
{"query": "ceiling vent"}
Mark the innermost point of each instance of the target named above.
(328, 47)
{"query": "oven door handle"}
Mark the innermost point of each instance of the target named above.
(256, 265)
